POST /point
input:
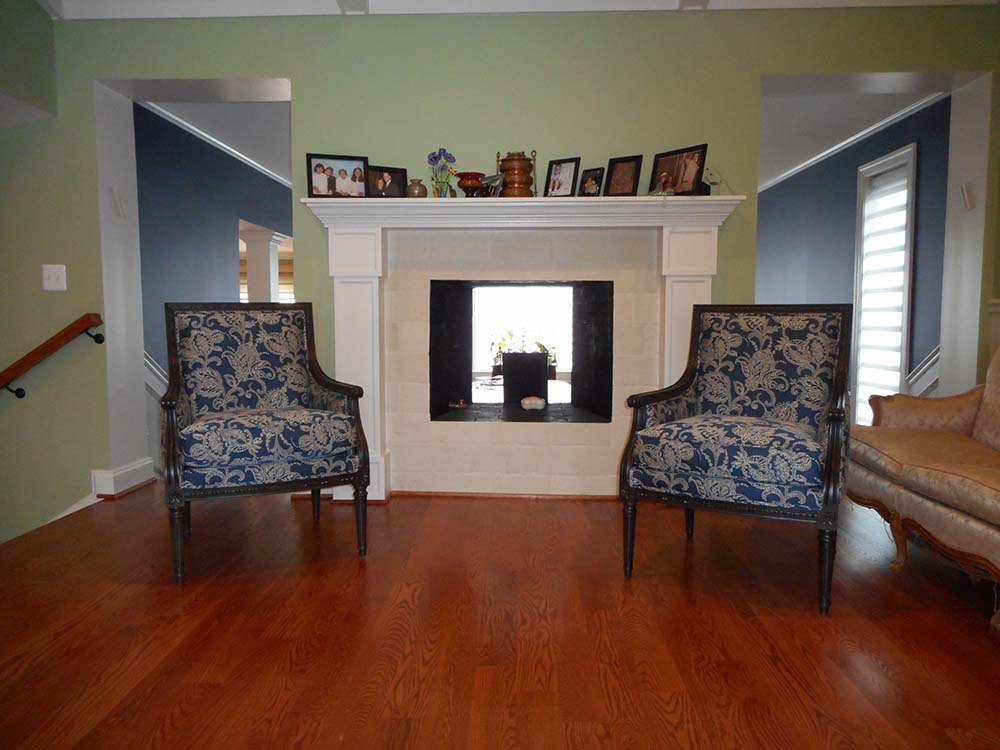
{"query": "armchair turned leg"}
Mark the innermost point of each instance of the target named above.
(899, 537)
(628, 523)
(187, 519)
(827, 551)
(177, 536)
(361, 514)
(315, 503)
(689, 522)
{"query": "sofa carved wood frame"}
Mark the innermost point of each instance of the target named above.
(901, 528)
(179, 498)
(825, 518)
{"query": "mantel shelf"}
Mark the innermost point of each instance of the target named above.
(526, 213)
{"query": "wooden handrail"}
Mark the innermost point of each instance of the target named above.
(50, 346)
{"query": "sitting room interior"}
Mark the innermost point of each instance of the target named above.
(363, 354)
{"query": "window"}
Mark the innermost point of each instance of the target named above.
(886, 190)
(521, 319)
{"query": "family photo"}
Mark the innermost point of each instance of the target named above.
(332, 176)
(590, 182)
(386, 182)
(680, 170)
(561, 179)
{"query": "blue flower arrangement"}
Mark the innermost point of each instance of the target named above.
(440, 162)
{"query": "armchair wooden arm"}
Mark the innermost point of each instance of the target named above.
(947, 414)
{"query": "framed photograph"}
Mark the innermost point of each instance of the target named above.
(386, 182)
(335, 176)
(679, 170)
(590, 182)
(561, 178)
(623, 175)
(491, 187)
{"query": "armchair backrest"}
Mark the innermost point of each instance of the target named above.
(784, 362)
(236, 356)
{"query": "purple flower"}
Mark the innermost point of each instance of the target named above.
(442, 151)
(432, 158)
(448, 157)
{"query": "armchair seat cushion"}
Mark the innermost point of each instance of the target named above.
(751, 460)
(247, 437)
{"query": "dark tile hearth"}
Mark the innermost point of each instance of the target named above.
(514, 413)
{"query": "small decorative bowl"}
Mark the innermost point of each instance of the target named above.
(532, 403)
(470, 182)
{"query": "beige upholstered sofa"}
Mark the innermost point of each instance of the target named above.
(932, 465)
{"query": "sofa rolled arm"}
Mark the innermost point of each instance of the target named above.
(946, 414)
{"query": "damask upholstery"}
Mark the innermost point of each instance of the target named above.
(233, 360)
(754, 425)
(933, 465)
(751, 460)
(249, 411)
(230, 448)
(754, 415)
(949, 414)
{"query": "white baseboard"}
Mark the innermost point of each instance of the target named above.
(116, 481)
(78, 505)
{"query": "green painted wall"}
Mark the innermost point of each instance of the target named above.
(594, 85)
(27, 53)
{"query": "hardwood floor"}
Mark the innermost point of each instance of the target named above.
(477, 623)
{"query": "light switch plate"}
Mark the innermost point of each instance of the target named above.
(53, 278)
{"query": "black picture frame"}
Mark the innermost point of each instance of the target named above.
(398, 179)
(613, 186)
(597, 173)
(329, 160)
(575, 161)
(662, 164)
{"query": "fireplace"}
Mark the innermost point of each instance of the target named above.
(493, 342)
(660, 254)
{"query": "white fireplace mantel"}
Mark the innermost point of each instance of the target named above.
(357, 238)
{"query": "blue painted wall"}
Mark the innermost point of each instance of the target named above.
(191, 199)
(806, 225)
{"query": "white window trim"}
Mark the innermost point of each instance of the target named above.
(906, 156)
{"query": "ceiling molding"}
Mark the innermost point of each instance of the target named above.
(212, 140)
(859, 136)
(71, 10)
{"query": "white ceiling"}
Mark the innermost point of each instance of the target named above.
(98, 9)
(260, 131)
(803, 116)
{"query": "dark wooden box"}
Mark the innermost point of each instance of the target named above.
(525, 374)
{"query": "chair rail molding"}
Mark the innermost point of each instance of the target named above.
(358, 236)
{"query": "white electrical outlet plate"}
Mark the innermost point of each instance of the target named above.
(53, 278)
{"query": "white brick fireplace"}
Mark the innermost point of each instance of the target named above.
(660, 253)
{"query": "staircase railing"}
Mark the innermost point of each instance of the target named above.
(50, 346)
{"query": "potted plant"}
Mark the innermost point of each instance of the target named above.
(550, 358)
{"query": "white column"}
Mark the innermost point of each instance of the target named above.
(356, 263)
(687, 263)
(262, 264)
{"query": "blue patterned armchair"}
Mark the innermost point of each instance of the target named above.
(248, 411)
(755, 425)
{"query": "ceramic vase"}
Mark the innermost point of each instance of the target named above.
(416, 189)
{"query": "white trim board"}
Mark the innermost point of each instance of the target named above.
(118, 480)
(213, 141)
(856, 138)
(923, 378)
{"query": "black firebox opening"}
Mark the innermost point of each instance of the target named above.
(491, 347)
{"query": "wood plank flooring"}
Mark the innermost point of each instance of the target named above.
(483, 623)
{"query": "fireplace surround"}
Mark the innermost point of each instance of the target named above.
(659, 252)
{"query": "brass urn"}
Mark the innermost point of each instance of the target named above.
(518, 174)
